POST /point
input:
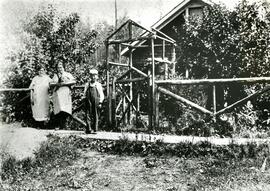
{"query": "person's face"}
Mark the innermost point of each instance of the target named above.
(60, 68)
(93, 77)
(41, 72)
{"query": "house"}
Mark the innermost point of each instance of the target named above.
(167, 24)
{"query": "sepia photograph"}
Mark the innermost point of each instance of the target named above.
(142, 95)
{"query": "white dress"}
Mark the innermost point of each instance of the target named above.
(62, 96)
(40, 101)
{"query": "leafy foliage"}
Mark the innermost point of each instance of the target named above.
(222, 44)
(49, 37)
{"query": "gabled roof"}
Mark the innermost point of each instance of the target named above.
(175, 12)
(170, 16)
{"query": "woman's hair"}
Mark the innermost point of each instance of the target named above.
(60, 62)
(39, 67)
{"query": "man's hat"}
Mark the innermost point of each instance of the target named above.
(93, 71)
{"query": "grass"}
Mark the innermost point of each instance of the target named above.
(73, 163)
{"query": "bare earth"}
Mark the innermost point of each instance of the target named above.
(19, 142)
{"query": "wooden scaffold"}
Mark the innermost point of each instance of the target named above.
(130, 101)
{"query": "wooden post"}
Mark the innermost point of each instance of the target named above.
(153, 84)
(124, 108)
(166, 64)
(109, 114)
(173, 59)
(130, 74)
(157, 95)
(214, 103)
(113, 103)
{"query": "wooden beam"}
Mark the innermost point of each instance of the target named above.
(265, 89)
(173, 60)
(129, 40)
(167, 40)
(181, 99)
(108, 108)
(160, 60)
(157, 96)
(124, 75)
(143, 46)
(118, 105)
(118, 64)
(130, 100)
(117, 30)
(14, 89)
(139, 71)
(214, 102)
(214, 81)
(166, 36)
(140, 26)
(130, 80)
(78, 108)
(113, 103)
(78, 120)
(163, 58)
(54, 84)
(153, 84)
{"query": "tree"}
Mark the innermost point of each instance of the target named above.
(49, 37)
(224, 44)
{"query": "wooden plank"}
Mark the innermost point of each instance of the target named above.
(160, 60)
(142, 46)
(78, 120)
(130, 80)
(78, 108)
(108, 108)
(166, 36)
(167, 40)
(129, 40)
(142, 27)
(181, 99)
(153, 85)
(117, 30)
(244, 100)
(163, 58)
(214, 81)
(118, 64)
(173, 60)
(118, 105)
(53, 84)
(139, 71)
(130, 100)
(165, 138)
(113, 104)
(214, 102)
(157, 95)
(130, 67)
(14, 89)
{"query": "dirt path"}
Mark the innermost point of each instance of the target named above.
(19, 142)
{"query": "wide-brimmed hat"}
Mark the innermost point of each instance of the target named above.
(93, 71)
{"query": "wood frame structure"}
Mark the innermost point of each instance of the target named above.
(127, 100)
(213, 83)
(155, 87)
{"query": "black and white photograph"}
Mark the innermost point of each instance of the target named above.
(139, 95)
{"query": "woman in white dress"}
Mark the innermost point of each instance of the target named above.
(40, 101)
(62, 102)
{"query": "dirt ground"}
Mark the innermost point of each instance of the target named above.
(19, 142)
